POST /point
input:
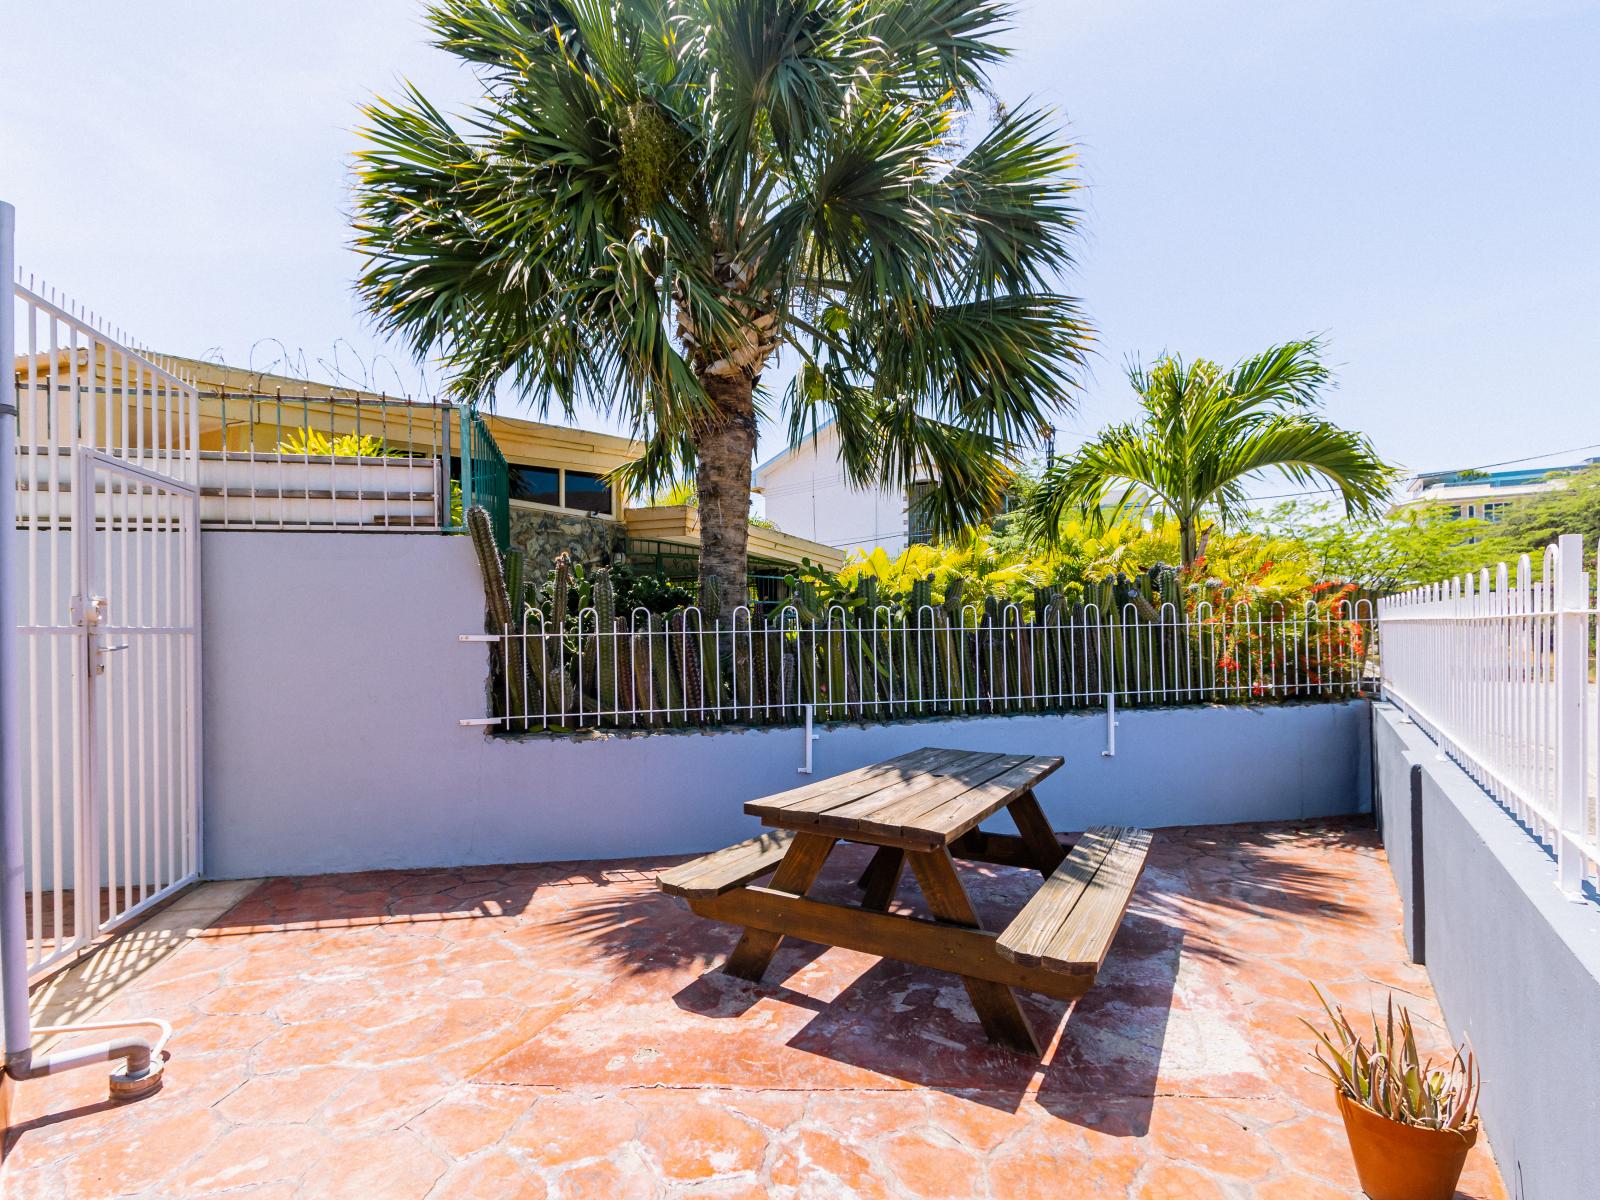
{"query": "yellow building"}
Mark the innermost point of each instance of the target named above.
(282, 452)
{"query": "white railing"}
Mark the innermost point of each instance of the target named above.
(647, 671)
(1499, 669)
(285, 460)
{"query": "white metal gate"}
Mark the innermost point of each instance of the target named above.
(108, 533)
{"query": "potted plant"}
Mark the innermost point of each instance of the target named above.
(1410, 1119)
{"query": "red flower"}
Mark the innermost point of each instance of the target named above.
(1227, 663)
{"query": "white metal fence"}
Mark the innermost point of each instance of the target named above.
(1498, 667)
(648, 671)
(106, 545)
(320, 462)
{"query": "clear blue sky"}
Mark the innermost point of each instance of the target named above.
(1419, 181)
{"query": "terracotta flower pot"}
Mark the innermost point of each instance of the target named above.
(1404, 1162)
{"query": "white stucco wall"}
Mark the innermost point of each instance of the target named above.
(335, 682)
(805, 494)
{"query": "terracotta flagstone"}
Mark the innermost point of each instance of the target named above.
(546, 1032)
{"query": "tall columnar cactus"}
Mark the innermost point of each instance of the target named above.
(836, 670)
(954, 592)
(710, 602)
(604, 597)
(515, 566)
(804, 679)
(683, 661)
(867, 589)
(668, 694)
(757, 684)
(644, 693)
(560, 589)
(498, 601)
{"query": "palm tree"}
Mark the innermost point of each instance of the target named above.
(1204, 432)
(657, 197)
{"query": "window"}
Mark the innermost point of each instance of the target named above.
(588, 493)
(580, 491)
(537, 485)
(1495, 510)
(918, 527)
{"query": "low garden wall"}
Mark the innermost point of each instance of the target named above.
(1515, 963)
(334, 683)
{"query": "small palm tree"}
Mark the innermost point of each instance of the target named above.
(1205, 431)
(657, 197)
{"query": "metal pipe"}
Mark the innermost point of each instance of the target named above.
(142, 1063)
(13, 930)
(142, 1070)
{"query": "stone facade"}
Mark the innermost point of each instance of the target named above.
(542, 534)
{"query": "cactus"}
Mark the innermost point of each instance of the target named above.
(921, 596)
(686, 665)
(515, 562)
(835, 671)
(604, 597)
(754, 686)
(867, 589)
(710, 602)
(953, 594)
(643, 692)
(499, 604)
(560, 589)
(622, 647)
(666, 689)
(805, 598)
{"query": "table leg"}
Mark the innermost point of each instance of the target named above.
(1036, 833)
(995, 1003)
(797, 872)
(882, 877)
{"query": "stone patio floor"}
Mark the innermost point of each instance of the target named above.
(561, 1031)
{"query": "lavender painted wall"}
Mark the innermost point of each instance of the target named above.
(1515, 963)
(334, 683)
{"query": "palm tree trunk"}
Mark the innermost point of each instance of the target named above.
(1188, 541)
(724, 453)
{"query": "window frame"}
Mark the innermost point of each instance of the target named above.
(561, 492)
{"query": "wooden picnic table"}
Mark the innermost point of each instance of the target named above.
(925, 808)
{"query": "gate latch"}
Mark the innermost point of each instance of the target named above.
(88, 610)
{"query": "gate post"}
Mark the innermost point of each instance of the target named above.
(13, 931)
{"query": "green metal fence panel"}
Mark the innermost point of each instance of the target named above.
(768, 579)
(485, 477)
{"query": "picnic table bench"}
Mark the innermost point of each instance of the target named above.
(925, 808)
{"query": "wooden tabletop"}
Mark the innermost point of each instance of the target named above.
(923, 800)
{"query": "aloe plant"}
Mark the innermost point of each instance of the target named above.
(1388, 1074)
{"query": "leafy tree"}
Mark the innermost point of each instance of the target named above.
(1412, 548)
(1204, 432)
(1536, 522)
(655, 197)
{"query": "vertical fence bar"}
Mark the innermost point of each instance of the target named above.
(1571, 674)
